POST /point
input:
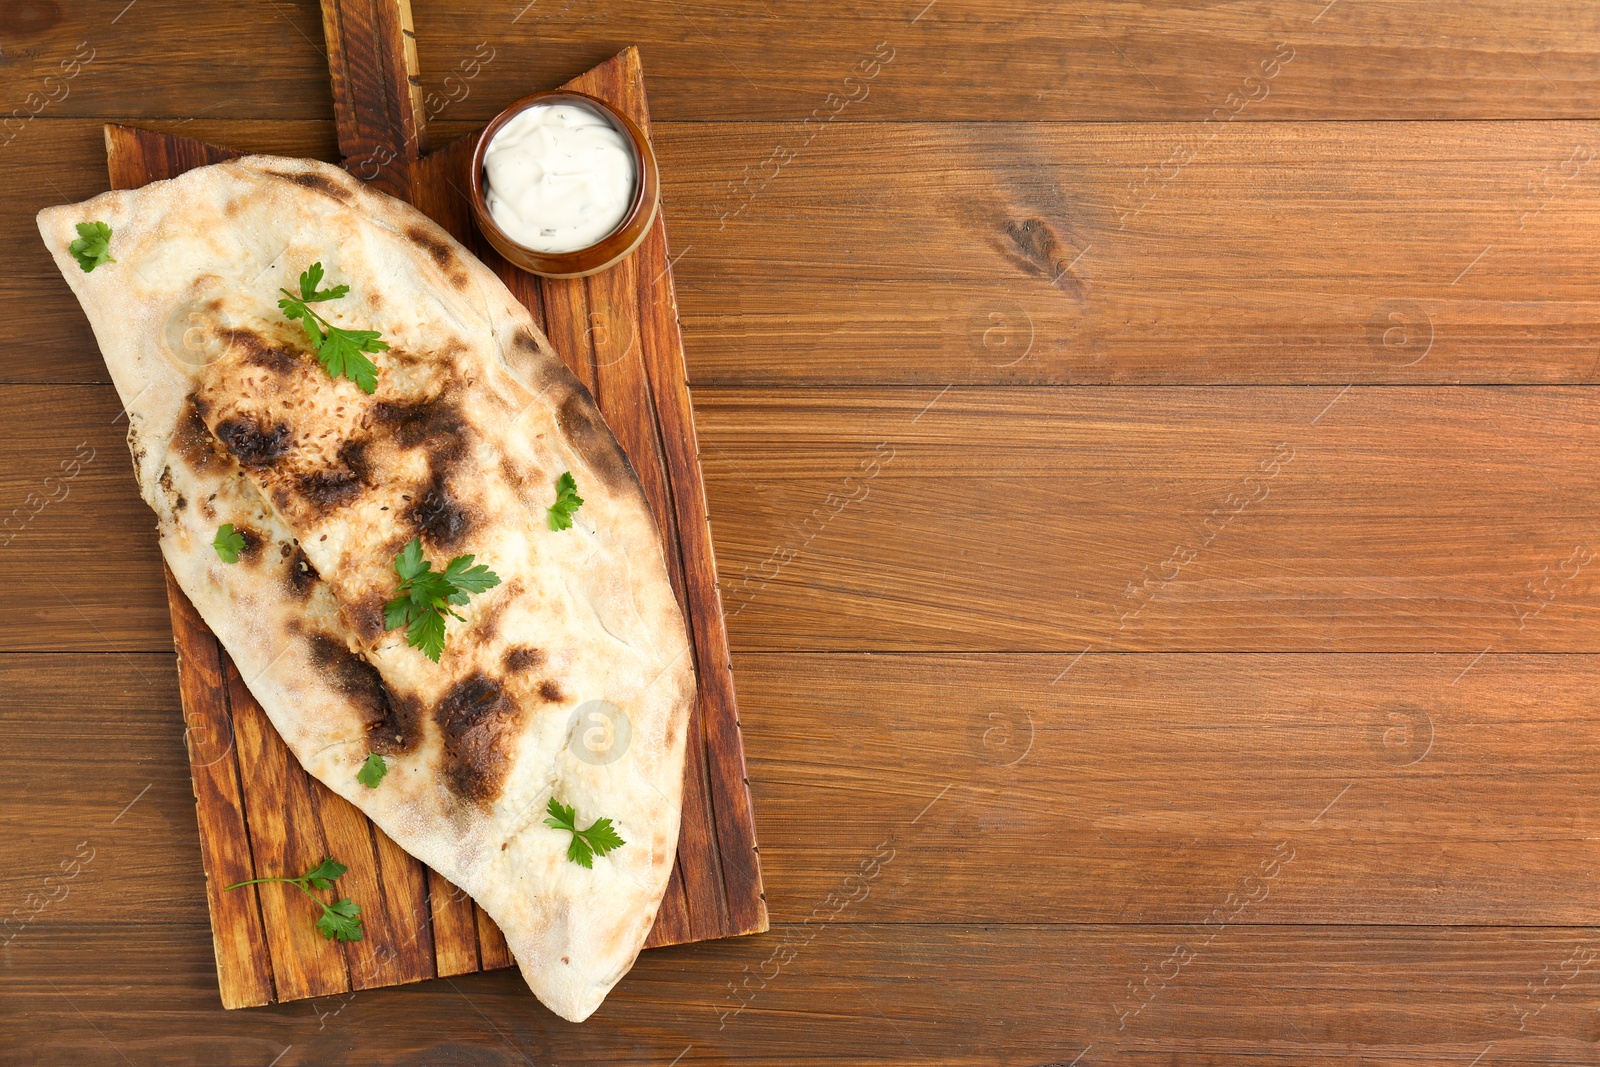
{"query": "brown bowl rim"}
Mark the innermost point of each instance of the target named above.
(610, 249)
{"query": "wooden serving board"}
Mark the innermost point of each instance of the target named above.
(260, 814)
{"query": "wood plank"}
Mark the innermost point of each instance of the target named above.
(382, 131)
(1409, 519)
(377, 90)
(1153, 788)
(1139, 788)
(493, 952)
(77, 437)
(1090, 253)
(454, 927)
(108, 59)
(203, 681)
(397, 944)
(1375, 519)
(1138, 60)
(718, 872)
(1396, 252)
(285, 838)
(852, 994)
(779, 59)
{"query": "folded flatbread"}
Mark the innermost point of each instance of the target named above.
(474, 418)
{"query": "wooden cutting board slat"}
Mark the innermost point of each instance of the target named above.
(259, 813)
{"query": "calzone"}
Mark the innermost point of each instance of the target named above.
(470, 425)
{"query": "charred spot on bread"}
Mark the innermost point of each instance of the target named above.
(539, 368)
(353, 454)
(302, 577)
(531, 361)
(335, 486)
(254, 540)
(258, 351)
(521, 659)
(524, 340)
(551, 691)
(436, 425)
(365, 616)
(438, 515)
(437, 247)
(479, 724)
(391, 721)
(192, 439)
(316, 183)
(581, 422)
(326, 490)
(252, 443)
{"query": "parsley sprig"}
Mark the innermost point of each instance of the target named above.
(228, 543)
(93, 246)
(425, 595)
(567, 501)
(339, 350)
(372, 771)
(598, 839)
(340, 920)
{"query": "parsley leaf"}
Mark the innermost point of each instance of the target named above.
(567, 501)
(460, 573)
(424, 596)
(340, 920)
(228, 543)
(372, 771)
(308, 286)
(341, 354)
(324, 874)
(93, 246)
(598, 839)
(339, 350)
(426, 632)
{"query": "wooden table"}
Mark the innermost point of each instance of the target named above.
(1148, 457)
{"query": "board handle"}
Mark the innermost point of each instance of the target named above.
(377, 91)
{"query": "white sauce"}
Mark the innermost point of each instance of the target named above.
(560, 178)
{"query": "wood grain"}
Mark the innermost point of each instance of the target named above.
(766, 59)
(204, 676)
(1141, 254)
(1375, 519)
(867, 993)
(377, 90)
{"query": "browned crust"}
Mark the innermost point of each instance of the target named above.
(392, 723)
(480, 724)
